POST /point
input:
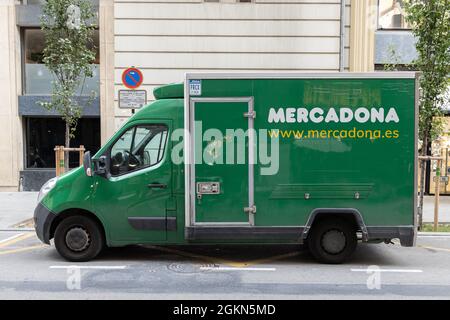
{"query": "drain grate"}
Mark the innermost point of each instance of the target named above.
(184, 267)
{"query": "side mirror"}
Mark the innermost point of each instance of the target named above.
(101, 166)
(87, 164)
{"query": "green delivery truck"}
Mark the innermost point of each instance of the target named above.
(323, 159)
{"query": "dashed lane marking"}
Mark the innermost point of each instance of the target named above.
(89, 267)
(387, 270)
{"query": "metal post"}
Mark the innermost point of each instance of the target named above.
(422, 188)
(436, 195)
(425, 159)
(60, 152)
(56, 149)
(81, 154)
(61, 160)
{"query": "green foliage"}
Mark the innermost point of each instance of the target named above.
(68, 54)
(430, 21)
(428, 227)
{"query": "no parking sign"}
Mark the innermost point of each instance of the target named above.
(132, 78)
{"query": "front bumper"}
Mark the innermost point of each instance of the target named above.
(43, 219)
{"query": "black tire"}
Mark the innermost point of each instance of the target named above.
(332, 240)
(79, 238)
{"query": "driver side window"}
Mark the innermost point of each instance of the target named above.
(138, 147)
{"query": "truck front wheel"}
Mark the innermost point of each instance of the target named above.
(78, 239)
(332, 241)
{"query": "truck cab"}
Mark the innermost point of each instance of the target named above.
(125, 194)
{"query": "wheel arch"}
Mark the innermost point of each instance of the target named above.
(352, 214)
(75, 212)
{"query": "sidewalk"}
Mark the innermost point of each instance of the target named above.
(17, 207)
(444, 209)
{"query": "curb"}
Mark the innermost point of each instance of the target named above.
(17, 230)
(433, 234)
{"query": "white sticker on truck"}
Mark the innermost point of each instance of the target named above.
(195, 87)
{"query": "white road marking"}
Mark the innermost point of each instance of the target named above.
(236, 269)
(11, 238)
(89, 267)
(387, 270)
(435, 248)
(435, 236)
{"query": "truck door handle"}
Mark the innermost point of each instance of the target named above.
(157, 185)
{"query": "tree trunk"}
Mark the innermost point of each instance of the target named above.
(67, 145)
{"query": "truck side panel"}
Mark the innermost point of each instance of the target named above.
(328, 162)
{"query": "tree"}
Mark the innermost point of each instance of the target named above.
(430, 21)
(69, 52)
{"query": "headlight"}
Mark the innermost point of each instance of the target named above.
(46, 188)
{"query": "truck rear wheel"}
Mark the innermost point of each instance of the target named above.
(332, 241)
(78, 239)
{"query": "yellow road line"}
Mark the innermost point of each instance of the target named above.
(236, 264)
(26, 223)
(17, 239)
(434, 248)
(22, 249)
(266, 260)
(10, 238)
(190, 255)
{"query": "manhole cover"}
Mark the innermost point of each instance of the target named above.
(185, 267)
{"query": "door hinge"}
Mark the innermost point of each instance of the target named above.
(251, 114)
(251, 209)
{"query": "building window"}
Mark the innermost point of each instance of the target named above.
(43, 134)
(391, 14)
(37, 78)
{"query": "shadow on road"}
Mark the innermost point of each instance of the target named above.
(366, 254)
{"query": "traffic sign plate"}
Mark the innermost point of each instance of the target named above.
(132, 99)
(132, 78)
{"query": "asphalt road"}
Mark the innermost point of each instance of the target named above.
(31, 270)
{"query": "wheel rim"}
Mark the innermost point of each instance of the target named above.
(333, 241)
(78, 239)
